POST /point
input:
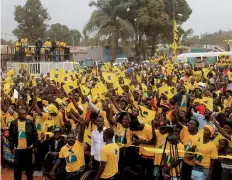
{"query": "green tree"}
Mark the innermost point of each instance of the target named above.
(5, 42)
(185, 35)
(108, 21)
(62, 32)
(153, 19)
(32, 20)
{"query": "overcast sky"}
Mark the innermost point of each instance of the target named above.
(207, 16)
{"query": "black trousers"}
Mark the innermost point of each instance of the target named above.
(23, 161)
(186, 171)
(226, 174)
(96, 164)
(147, 168)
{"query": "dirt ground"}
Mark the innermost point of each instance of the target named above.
(8, 174)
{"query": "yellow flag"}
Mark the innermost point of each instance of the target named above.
(84, 90)
(147, 113)
(102, 88)
(139, 79)
(28, 98)
(206, 71)
(7, 88)
(68, 87)
(127, 81)
(166, 91)
(229, 75)
(118, 88)
(95, 92)
(208, 101)
(109, 77)
(57, 75)
(59, 101)
(71, 106)
(116, 70)
(10, 73)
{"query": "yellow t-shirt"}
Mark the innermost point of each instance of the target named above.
(22, 141)
(110, 155)
(160, 142)
(28, 52)
(188, 141)
(18, 45)
(124, 135)
(3, 123)
(145, 134)
(206, 152)
(55, 121)
(106, 122)
(198, 101)
(74, 156)
(39, 121)
(9, 118)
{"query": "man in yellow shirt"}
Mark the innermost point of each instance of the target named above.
(22, 136)
(145, 137)
(73, 154)
(47, 45)
(109, 157)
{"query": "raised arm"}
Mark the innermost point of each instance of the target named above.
(222, 131)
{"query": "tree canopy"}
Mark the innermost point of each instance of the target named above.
(32, 20)
(144, 23)
(63, 33)
(108, 21)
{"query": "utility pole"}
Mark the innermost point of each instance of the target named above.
(73, 39)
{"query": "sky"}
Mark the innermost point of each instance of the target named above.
(207, 16)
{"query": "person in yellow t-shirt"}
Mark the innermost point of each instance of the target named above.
(224, 133)
(22, 137)
(10, 115)
(189, 136)
(29, 54)
(123, 137)
(144, 136)
(55, 119)
(206, 153)
(72, 153)
(47, 45)
(58, 49)
(109, 157)
(161, 135)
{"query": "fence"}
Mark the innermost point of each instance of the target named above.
(42, 54)
(39, 67)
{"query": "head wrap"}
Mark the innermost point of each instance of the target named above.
(52, 109)
(211, 129)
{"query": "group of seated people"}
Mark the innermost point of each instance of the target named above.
(147, 121)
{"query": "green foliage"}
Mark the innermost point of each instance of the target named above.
(108, 21)
(5, 42)
(31, 19)
(151, 21)
(216, 38)
(63, 33)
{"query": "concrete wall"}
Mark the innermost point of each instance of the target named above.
(97, 53)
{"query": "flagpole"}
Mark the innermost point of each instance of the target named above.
(174, 24)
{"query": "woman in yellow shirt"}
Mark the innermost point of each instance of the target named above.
(206, 153)
(72, 153)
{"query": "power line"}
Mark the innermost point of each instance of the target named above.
(9, 34)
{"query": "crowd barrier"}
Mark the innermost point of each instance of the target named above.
(42, 54)
(39, 67)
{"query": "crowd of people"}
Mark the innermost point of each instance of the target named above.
(159, 120)
(47, 51)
